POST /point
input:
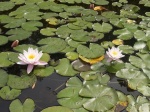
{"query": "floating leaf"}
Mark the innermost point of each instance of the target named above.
(72, 55)
(3, 39)
(57, 109)
(141, 35)
(52, 21)
(3, 78)
(43, 72)
(64, 68)
(17, 106)
(139, 45)
(14, 23)
(117, 42)
(25, 47)
(48, 31)
(9, 94)
(6, 6)
(135, 78)
(104, 28)
(126, 49)
(31, 25)
(124, 34)
(5, 62)
(18, 34)
(100, 98)
(80, 66)
(22, 82)
(94, 51)
(52, 45)
(91, 61)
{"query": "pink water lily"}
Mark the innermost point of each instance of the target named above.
(31, 58)
(114, 54)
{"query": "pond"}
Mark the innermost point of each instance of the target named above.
(74, 55)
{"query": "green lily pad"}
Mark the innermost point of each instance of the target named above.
(102, 2)
(17, 106)
(43, 72)
(72, 55)
(3, 78)
(139, 45)
(126, 49)
(69, 96)
(124, 34)
(93, 51)
(27, 11)
(64, 68)
(14, 23)
(22, 82)
(80, 36)
(25, 47)
(63, 31)
(48, 31)
(3, 39)
(104, 27)
(73, 43)
(5, 62)
(114, 67)
(31, 25)
(52, 45)
(18, 34)
(80, 110)
(141, 35)
(57, 109)
(9, 94)
(4, 6)
(134, 78)
(80, 66)
(100, 97)
(18, 2)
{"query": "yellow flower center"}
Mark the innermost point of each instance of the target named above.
(31, 56)
(114, 53)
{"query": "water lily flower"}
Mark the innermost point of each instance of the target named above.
(31, 58)
(114, 54)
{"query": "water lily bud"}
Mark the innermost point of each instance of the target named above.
(15, 43)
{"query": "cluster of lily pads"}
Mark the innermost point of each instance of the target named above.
(74, 36)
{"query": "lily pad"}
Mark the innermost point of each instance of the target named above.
(64, 68)
(135, 78)
(3, 78)
(94, 51)
(22, 82)
(104, 27)
(31, 25)
(48, 31)
(43, 72)
(57, 109)
(52, 45)
(3, 39)
(18, 34)
(25, 47)
(126, 49)
(9, 94)
(17, 106)
(4, 6)
(5, 62)
(100, 97)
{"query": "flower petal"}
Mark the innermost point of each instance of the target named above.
(21, 63)
(29, 68)
(41, 63)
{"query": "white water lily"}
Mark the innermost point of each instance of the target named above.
(114, 53)
(31, 58)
